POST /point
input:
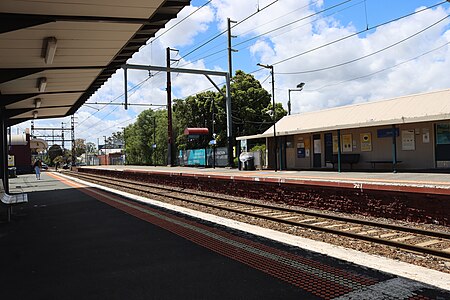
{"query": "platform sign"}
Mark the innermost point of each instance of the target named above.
(366, 141)
(408, 140)
(347, 142)
(11, 161)
(387, 132)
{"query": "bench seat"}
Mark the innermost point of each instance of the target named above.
(351, 159)
(11, 200)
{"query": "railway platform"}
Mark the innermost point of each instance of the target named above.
(421, 197)
(434, 183)
(74, 240)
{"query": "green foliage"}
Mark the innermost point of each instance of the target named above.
(250, 106)
(150, 127)
(80, 147)
(258, 148)
(54, 151)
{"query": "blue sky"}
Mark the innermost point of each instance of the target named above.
(417, 64)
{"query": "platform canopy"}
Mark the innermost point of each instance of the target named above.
(55, 54)
(196, 131)
(425, 107)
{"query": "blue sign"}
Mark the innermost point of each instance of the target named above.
(300, 152)
(387, 132)
(196, 157)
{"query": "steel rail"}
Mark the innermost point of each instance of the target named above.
(414, 248)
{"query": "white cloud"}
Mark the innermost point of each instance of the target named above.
(322, 90)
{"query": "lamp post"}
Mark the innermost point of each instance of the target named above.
(298, 89)
(106, 155)
(274, 113)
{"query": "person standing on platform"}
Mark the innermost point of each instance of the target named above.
(37, 168)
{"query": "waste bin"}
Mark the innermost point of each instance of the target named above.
(12, 172)
(249, 164)
(247, 160)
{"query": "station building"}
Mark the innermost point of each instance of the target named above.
(405, 133)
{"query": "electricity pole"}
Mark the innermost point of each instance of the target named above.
(230, 72)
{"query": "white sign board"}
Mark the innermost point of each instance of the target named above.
(408, 140)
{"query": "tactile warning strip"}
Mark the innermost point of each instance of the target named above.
(319, 279)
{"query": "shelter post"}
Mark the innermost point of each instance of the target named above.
(4, 149)
(394, 149)
(339, 149)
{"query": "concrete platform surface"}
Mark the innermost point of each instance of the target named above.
(409, 182)
(75, 241)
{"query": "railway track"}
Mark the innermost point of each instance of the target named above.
(407, 238)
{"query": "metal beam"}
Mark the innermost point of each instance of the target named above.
(13, 98)
(215, 85)
(174, 70)
(15, 21)
(168, 69)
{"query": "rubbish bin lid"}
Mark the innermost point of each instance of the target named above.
(245, 156)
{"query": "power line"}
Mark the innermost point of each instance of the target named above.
(252, 38)
(356, 33)
(293, 22)
(200, 7)
(368, 55)
(221, 33)
(379, 71)
(141, 83)
(134, 87)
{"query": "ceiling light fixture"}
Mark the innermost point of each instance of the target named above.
(50, 50)
(37, 102)
(42, 84)
(35, 114)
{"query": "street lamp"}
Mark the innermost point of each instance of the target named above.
(298, 89)
(106, 159)
(274, 112)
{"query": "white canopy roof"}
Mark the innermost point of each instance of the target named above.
(433, 106)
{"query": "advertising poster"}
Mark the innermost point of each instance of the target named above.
(335, 144)
(301, 153)
(366, 142)
(443, 134)
(425, 135)
(317, 146)
(408, 140)
(347, 142)
(11, 161)
(307, 146)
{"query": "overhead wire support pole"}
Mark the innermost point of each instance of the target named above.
(200, 72)
(230, 72)
(230, 50)
(126, 86)
(169, 111)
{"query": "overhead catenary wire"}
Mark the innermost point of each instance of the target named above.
(355, 34)
(225, 31)
(379, 71)
(367, 55)
(270, 31)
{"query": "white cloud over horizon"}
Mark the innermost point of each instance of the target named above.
(323, 89)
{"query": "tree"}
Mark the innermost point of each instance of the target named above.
(91, 148)
(54, 151)
(251, 105)
(80, 147)
(140, 137)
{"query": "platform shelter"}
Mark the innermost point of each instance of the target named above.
(405, 133)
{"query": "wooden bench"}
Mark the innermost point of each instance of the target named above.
(375, 162)
(11, 200)
(345, 159)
